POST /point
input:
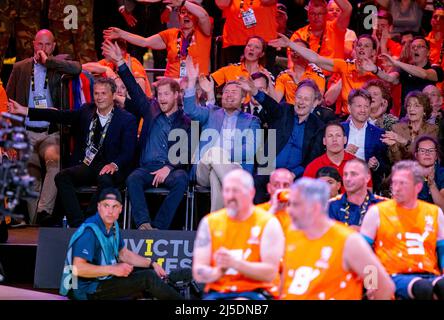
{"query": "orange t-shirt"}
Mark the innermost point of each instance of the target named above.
(136, 69)
(286, 85)
(198, 49)
(313, 269)
(435, 48)
(332, 43)
(406, 238)
(235, 32)
(282, 215)
(232, 71)
(3, 99)
(351, 79)
(243, 239)
(394, 48)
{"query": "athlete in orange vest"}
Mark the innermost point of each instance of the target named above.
(280, 181)
(237, 249)
(325, 259)
(408, 236)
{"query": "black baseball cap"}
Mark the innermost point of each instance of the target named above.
(110, 194)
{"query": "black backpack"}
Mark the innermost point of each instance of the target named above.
(181, 279)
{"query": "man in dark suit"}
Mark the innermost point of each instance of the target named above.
(299, 132)
(364, 139)
(104, 147)
(35, 82)
(156, 168)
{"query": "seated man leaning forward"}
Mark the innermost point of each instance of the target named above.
(98, 266)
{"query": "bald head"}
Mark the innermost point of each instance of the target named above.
(44, 41)
(280, 179)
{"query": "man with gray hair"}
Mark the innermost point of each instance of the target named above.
(408, 236)
(237, 249)
(323, 258)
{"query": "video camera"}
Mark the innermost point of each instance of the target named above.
(15, 182)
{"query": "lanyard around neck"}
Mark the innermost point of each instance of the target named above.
(104, 131)
(33, 78)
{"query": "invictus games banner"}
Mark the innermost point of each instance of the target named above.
(170, 249)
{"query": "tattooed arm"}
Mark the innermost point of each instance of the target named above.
(202, 270)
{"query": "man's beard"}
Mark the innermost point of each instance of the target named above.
(232, 212)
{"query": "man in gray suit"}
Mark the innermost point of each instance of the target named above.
(35, 82)
(228, 137)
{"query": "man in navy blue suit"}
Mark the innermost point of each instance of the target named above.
(156, 168)
(105, 144)
(363, 138)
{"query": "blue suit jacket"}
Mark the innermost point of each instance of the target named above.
(212, 117)
(374, 147)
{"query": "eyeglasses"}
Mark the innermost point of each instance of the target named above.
(317, 14)
(426, 151)
(418, 47)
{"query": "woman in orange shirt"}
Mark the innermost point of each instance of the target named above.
(193, 38)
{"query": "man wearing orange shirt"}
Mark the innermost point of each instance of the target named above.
(193, 38)
(436, 37)
(352, 73)
(326, 38)
(237, 249)
(287, 81)
(408, 236)
(381, 33)
(243, 19)
(280, 180)
(325, 260)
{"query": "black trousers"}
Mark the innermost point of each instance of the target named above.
(139, 281)
(82, 175)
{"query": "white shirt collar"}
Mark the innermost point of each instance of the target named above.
(352, 125)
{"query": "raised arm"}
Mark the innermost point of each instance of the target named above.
(344, 17)
(190, 106)
(195, 10)
(63, 65)
(154, 42)
(306, 53)
(384, 3)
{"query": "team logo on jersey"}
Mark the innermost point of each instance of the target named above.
(322, 263)
(429, 223)
(254, 236)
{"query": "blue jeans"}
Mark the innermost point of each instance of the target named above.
(141, 179)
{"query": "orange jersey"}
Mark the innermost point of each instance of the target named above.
(286, 85)
(313, 269)
(243, 239)
(235, 32)
(136, 69)
(232, 71)
(435, 48)
(282, 215)
(3, 99)
(330, 44)
(198, 49)
(406, 238)
(351, 79)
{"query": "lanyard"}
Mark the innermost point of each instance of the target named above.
(93, 128)
(320, 40)
(362, 210)
(180, 45)
(33, 79)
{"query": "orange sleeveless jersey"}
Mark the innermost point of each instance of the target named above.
(243, 239)
(282, 215)
(313, 268)
(285, 221)
(406, 238)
